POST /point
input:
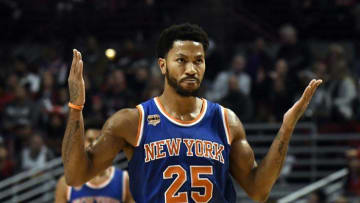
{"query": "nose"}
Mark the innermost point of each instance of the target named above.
(190, 69)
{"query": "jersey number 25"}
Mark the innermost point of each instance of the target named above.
(196, 182)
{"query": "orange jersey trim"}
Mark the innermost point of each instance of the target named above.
(140, 125)
(180, 121)
(227, 125)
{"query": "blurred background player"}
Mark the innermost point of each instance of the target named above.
(112, 185)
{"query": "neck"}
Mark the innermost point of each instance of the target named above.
(101, 178)
(177, 104)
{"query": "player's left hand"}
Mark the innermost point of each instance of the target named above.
(296, 111)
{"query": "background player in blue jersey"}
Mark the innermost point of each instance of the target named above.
(181, 148)
(111, 185)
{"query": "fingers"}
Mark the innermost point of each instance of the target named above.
(72, 69)
(77, 64)
(311, 89)
(315, 85)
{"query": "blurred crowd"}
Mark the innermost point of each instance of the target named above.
(259, 79)
(258, 84)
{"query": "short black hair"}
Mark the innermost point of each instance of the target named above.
(185, 31)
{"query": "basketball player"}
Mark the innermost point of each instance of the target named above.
(111, 185)
(181, 148)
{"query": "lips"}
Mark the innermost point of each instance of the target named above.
(190, 80)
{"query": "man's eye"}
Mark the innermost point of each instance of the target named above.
(199, 61)
(180, 60)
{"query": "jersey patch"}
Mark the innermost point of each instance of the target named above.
(153, 119)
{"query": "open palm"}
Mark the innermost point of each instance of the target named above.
(297, 110)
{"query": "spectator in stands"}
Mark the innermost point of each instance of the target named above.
(31, 78)
(154, 88)
(258, 58)
(54, 132)
(97, 111)
(282, 96)
(55, 64)
(317, 196)
(20, 66)
(20, 115)
(342, 91)
(295, 53)
(236, 100)
(7, 166)
(58, 102)
(117, 93)
(352, 185)
(36, 154)
(221, 83)
(97, 62)
(139, 79)
(335, 53)
(261, 92)
(341, 199)
(48, 85)
(6, 96)
(7, 90)
(320, 105)
(47, 96)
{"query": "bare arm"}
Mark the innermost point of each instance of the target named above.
(128, 196)
(82, 164)
(257, 180)
(73, 142)
(61, 191)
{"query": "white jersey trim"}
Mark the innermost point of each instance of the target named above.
(184, 123)
(140, 125)
(124, 185)
(68, 193)
(225, 123)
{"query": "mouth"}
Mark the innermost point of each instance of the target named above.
(190, 80)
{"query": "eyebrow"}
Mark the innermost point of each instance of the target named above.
(183, 55)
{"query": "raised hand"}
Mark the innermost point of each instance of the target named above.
(296, 111)
(76, 80)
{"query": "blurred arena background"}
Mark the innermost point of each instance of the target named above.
(261, 56)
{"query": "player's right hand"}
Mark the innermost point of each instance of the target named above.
(76, 80)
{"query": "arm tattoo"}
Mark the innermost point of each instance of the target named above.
(74, 91)
(282, 152)
(74, 127)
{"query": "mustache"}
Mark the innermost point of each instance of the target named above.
(190, 78)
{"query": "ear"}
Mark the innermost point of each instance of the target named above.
(162, 65)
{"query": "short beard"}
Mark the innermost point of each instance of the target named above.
(181, 91)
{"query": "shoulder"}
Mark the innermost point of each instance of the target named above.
(125, 115)
(62, 182)
(237, 131)
(61, 187)
(123, 124)
(124, 118)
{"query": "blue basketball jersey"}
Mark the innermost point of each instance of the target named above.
(181, 161)
(111, 191)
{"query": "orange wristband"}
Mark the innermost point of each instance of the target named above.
(77, 107)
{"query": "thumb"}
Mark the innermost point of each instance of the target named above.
(81, 68)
